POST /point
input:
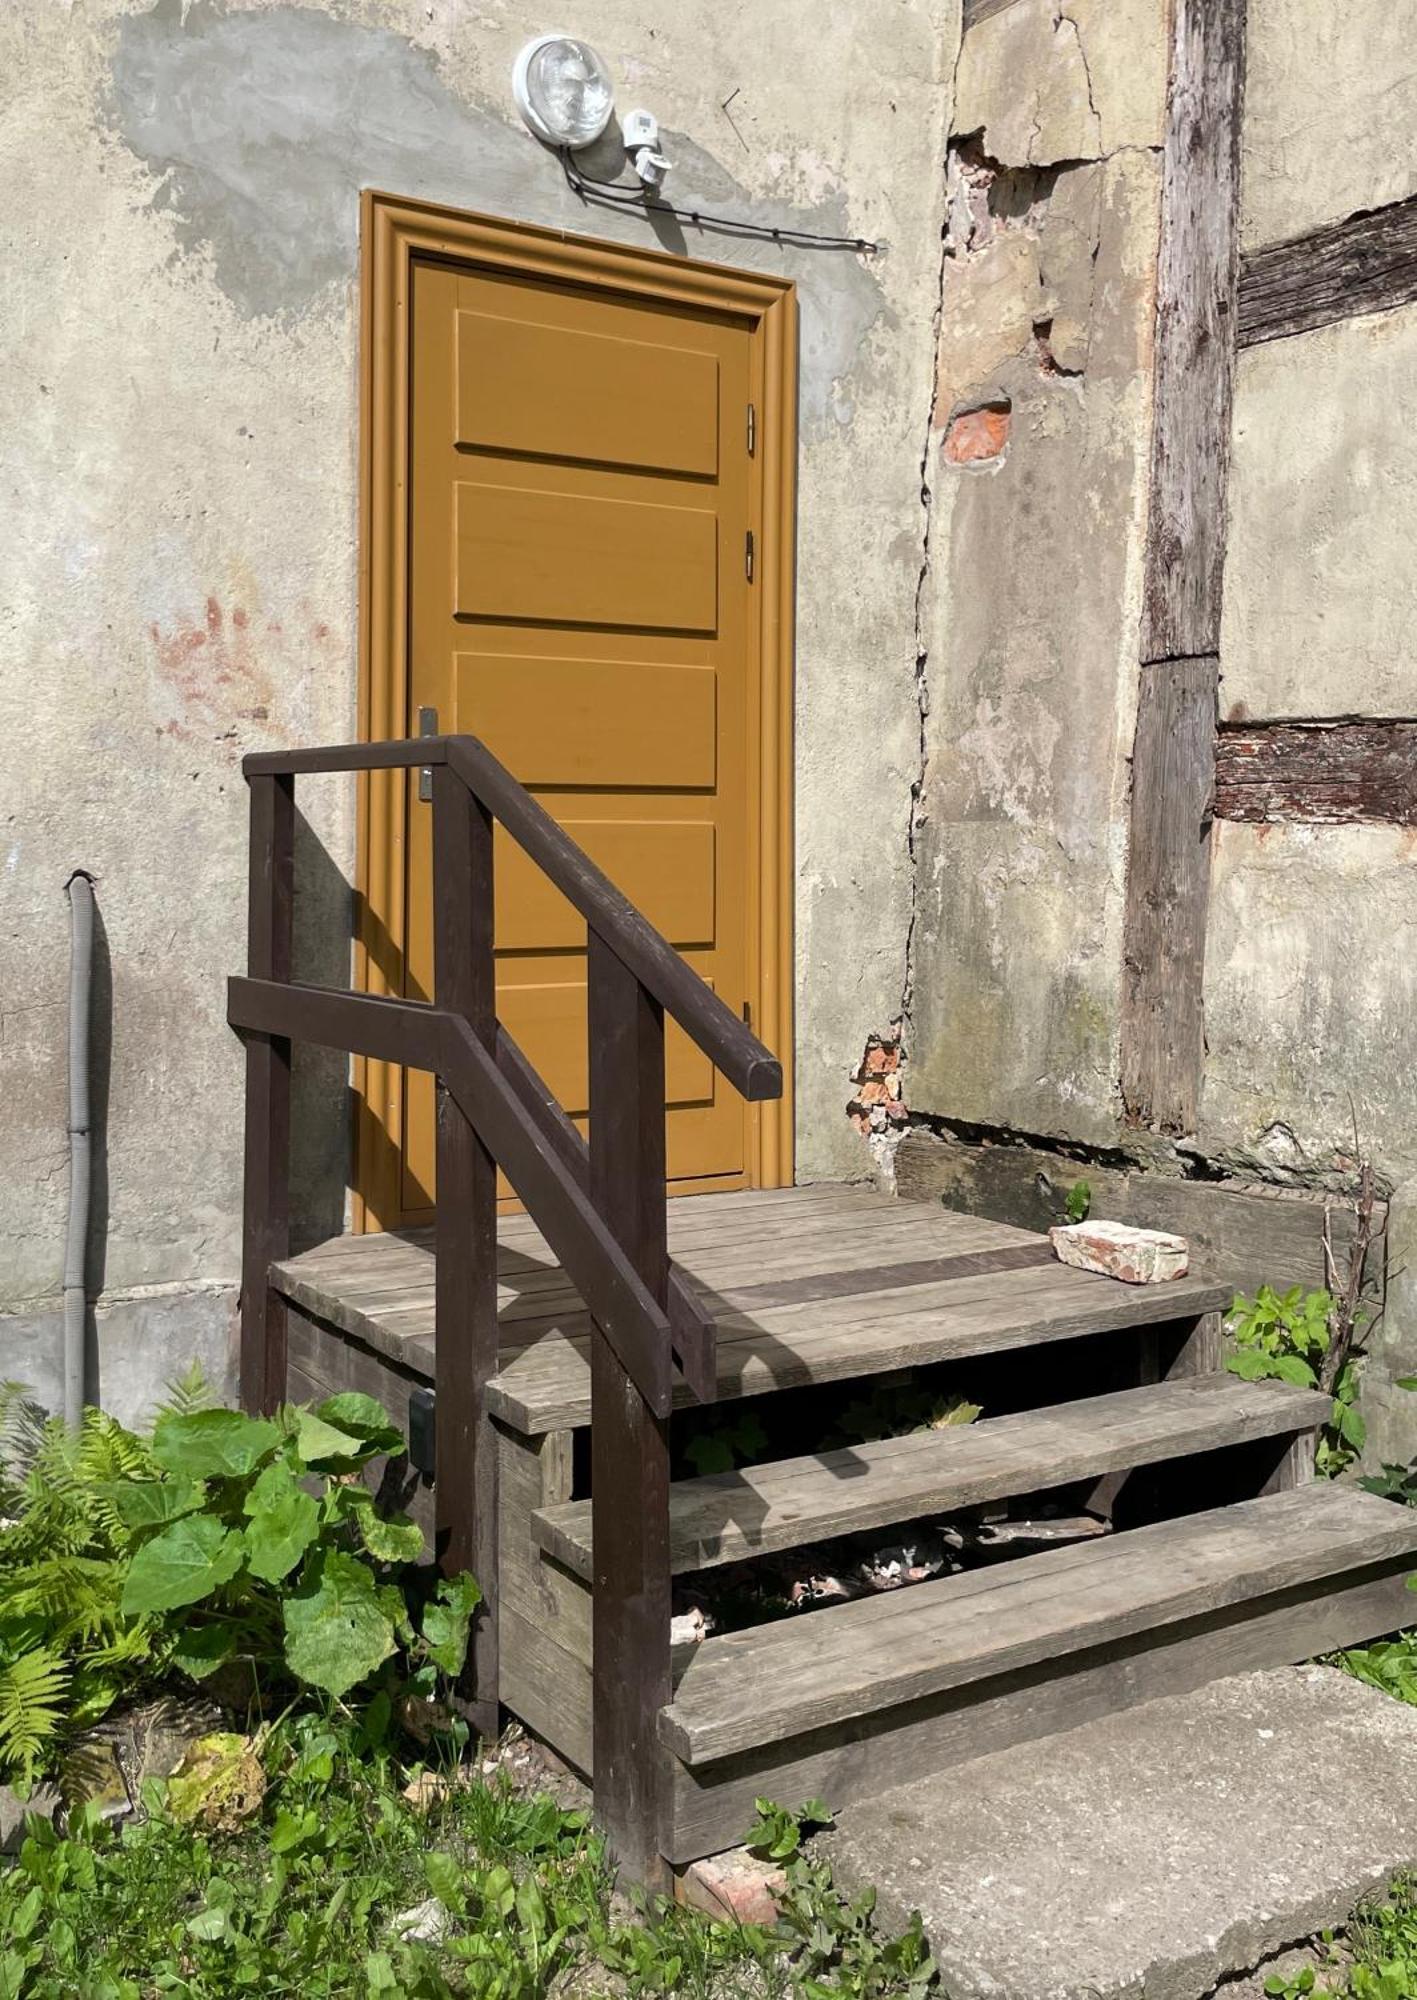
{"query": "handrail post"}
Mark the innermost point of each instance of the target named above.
(265, 1227)
(465, 1301)
(629, 1444)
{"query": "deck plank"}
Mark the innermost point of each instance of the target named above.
(732, 1515)
(785, 1273)
(775, 1682)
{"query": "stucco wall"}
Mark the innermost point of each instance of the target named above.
(1310, 990)
(1330, 111)
(1311, 1008)
(1320, 582)
(178, 567)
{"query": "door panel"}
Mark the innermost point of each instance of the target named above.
(581, 559)
(524, 388)
(550, 1022)
(665, 867)
(581, 495)
(627, 723)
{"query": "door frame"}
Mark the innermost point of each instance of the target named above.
(394, 232)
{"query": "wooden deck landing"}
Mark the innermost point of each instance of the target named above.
(796, 1279)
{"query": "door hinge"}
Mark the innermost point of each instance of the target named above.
(748, 556)
(752, 429)
(427, 726)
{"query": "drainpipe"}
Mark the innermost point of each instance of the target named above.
(80, 891)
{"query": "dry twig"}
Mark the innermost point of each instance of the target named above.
(1346, 1288)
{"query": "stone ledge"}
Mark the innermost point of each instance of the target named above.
(1153, 1853)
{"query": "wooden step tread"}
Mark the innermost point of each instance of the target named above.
(546, 1386)
(730, 1515)
(824, 1667)
(810, 1284)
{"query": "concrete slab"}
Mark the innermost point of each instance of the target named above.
(1152, 1853)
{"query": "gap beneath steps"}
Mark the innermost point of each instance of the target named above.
(1155, 1853)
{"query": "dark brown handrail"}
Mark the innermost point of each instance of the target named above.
(600, 1207)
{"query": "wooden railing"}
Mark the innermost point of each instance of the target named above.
(600, 1207)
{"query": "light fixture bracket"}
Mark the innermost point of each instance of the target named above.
(641, 134)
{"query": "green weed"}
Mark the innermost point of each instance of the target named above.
(1285, 1336)
(342, 1887)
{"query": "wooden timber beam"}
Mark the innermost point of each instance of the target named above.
(1325, 773)
(1168, 871)
(1366, 264)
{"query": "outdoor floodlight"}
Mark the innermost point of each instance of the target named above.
(563, 90)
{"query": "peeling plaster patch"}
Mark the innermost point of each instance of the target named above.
(262, 127)
(1021, 248)
(877, 1099)
(1053, 83)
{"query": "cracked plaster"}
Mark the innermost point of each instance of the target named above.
(1029, 611)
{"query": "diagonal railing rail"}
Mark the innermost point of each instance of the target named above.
(600, 1206)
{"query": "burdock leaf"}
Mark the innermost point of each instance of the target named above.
(284, 1520)
(182, 1565)
(339, 1622)
(212, 1444)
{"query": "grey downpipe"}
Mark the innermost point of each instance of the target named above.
(80, 888)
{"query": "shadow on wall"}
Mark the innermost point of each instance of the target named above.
(322, 1107)
(322, 1102)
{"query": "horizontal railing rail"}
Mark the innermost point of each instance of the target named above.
(600, 1205)
(728, 1042)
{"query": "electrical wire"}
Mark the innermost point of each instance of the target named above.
(613, 194)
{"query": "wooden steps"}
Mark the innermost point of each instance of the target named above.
(824, 1285)
(732, 1515)
(806, 1674)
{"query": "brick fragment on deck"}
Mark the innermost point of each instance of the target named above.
(1136, 1256)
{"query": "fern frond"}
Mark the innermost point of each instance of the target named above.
(73, 1593)
(32, 1690)
(186, 1393)
(107, 1451)
(22, 1424)
(124, 1643)
(56, 1463)
(108, 1455)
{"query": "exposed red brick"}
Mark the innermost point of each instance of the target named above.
(975, 436)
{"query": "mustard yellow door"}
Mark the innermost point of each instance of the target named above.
(583, 501)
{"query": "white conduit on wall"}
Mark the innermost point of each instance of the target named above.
(80, 891)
